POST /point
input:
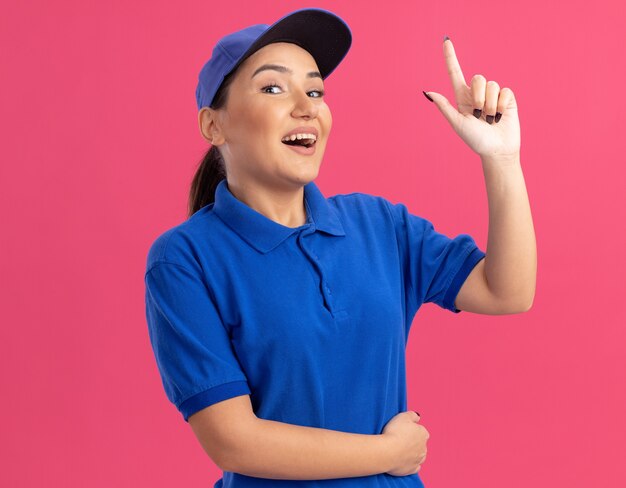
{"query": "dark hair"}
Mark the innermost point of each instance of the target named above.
(211, 168)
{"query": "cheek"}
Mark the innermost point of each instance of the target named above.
(248, 113)
(252, 130)
(326, 116)
(263, 123)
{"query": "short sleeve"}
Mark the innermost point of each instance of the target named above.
(435, 265)
(193, 351)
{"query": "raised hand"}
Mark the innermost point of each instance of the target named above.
(477, 108)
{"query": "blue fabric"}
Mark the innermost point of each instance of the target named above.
(312, 322)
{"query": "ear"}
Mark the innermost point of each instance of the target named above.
(208, 122)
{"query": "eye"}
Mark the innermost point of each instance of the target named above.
(272, 85)
(321, 93)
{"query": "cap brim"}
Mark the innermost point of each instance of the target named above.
(322, 33)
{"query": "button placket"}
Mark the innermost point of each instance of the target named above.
(315, 260)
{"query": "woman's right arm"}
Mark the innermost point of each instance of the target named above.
(238, 441)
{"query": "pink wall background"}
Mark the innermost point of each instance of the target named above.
(100, 141)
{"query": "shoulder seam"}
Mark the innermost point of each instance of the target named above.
(160, 261)
(410, 300)
(170, 233)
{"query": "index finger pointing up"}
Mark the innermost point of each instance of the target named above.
(454, 69)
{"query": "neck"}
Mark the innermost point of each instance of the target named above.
(285, 207)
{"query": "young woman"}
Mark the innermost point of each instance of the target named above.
(279, 317)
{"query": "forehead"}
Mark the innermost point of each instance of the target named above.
(285, 53)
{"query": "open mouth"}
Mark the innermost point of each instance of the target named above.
(304, 142)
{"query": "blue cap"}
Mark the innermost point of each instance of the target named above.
(323, 34)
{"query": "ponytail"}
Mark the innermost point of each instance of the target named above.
(211, 169)
(209, 173)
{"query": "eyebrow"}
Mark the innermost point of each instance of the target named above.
(283, 69)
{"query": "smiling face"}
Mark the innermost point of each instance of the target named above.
(276, 90)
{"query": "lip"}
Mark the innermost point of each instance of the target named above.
(306, 151)
(302, 130)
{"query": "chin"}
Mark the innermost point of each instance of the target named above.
(306, 177)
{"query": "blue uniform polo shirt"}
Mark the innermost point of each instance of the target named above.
(312, 322)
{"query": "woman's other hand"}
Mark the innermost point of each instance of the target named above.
(408, 439)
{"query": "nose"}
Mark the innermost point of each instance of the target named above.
(304, 106)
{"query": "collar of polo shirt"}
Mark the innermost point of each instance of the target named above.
(263, 233)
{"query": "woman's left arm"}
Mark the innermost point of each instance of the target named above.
(487, 120)
(504, 281)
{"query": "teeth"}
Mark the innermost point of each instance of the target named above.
(293, 137)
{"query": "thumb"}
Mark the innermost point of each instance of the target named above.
(418, 415)
(445, 107)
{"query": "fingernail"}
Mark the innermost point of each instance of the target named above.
(477, 112)
(490, 119)
(426, 95)
(498, 117)
(417, 413)
(445, 38)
